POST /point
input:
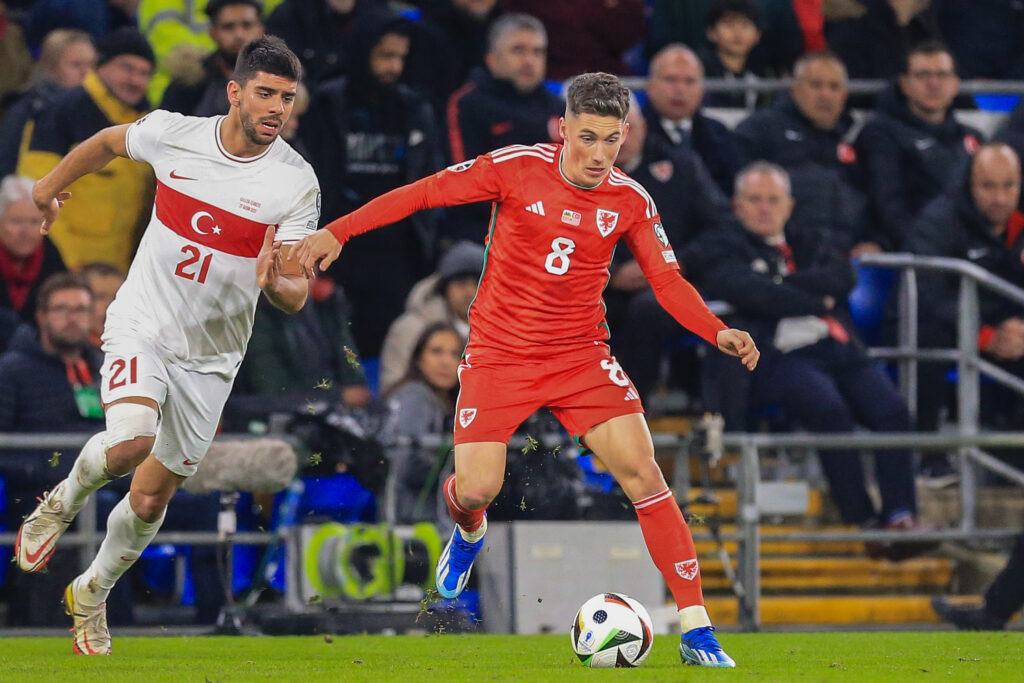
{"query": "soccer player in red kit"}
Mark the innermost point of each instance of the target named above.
(538, 331)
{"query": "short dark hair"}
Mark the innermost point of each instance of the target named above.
(927, 47)
(719, 9)
(213, 7)
(598, 93)
(100, 269)
(58, 282)
(270, 55)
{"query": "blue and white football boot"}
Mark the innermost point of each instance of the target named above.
(455, 564)
(700, 647)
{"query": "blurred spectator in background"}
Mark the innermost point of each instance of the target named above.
(295, 360)
(422, 403)
(1012, 131)
(589, 36)
(876, 44)
(233, 23)
(913, 146)
(979, 221)
(464, 26)
(674, 94)
(67, 56)
(791, 291)
(809, 133)
(95, 17)
(986, 36)
(690, 204)
(110, 208)
(444, 297)
(1003, 599)
(503, 103)
(104, 280)
(782, 40)
(50, 377)
(27, 258)
(368, 134)
(321, 31)
(732, 33)
(14, 55)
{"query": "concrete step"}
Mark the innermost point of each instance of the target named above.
(839, 574)
(835, 610)
(770, 547)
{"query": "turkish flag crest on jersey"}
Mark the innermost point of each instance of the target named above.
(606, 221)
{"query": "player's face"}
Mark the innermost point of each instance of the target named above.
(127, 77)
(519, 57)
(995, 184)
(676, 85)
(439, 360)
(78, 59)
(19, 229)
(592, 143)
(930, 84)
(387, 58)
(264, 106)
(235, 26)
(64, 323)
(820, 92)
(763, 205)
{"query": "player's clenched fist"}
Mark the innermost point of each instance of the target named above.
(740, 344)
(321, 248)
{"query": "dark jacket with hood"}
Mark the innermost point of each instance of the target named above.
(206, 97)
(1012, 132)
(908, 161)
(822, 165)
(711, 140)
(874, 45)
(952, 226)
(488, 113)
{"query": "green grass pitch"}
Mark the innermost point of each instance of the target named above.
(788, 657)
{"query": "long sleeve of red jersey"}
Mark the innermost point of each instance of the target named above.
(470, 181)
(649, 245)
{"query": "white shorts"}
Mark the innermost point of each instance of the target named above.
(190, 402)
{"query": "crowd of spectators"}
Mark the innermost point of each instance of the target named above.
(765, 215)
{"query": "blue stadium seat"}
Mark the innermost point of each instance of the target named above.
(868, 301)
(371, 368)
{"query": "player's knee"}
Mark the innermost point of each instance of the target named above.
(147, 506)
(131, 432)
(479, 494)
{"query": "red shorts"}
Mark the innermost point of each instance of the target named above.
(582, 387)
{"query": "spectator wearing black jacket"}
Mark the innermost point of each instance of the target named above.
(690, 204)
(233, 23)
(732, 33)
(1012, 131)
(503, 103)
(368, 134)
(978, 221)
(675, 90)
(464, 25)
(986, 36)
(813, 366)
(875, 44)
(809, 132)
(913, 147)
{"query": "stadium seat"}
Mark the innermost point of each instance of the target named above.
(868, 301)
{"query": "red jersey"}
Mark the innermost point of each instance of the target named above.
(549, 246)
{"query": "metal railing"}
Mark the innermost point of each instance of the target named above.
(856, 86)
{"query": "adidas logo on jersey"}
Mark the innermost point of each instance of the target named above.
(632, 395)
(537, 208)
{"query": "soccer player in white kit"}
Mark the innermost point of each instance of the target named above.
(231, 199)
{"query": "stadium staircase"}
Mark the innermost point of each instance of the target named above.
(835, 583)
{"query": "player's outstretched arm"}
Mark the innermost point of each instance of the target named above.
(280, 278)
(320, 249)
(92, 155)
(740, 344)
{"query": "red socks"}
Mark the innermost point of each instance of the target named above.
(671, 546)
(469, 520)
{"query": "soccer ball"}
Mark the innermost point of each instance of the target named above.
(611, 630)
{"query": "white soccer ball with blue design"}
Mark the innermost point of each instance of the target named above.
(612, 630)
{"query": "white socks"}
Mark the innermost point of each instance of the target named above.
(88, 474)
(474, 536)
(693, 617)
(127, 536)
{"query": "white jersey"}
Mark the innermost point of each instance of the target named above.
(191, 290)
